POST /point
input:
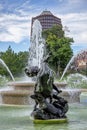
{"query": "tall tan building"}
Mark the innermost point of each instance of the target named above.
(47, 20)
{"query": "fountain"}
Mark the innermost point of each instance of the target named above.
(67, 66)
(20, 91)
(20, 95)
(23, 89)
(70, 62)
(48, 105)
(12, 95)
(72, 94)
(17, 116)
(36, 49)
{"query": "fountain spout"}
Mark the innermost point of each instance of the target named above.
(67, 66)
(70, 62)
(3, 63)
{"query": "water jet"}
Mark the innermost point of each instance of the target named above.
(4, 65)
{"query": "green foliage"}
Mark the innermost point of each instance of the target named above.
(59, 47)
(55, 30)
(15, 61)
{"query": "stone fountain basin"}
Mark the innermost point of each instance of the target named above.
(17, 97)
(20, 93)
(60, 84)
(23, 90)
(15, 93)
(72, 95)
(30, 85)
(22, 85)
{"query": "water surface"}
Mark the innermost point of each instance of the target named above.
(17, 118)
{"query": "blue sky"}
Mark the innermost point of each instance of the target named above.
(15, 21)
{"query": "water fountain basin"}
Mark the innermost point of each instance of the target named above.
(60, 84)
(21, 91)
(29, 85)
(71, 95)
(17, 97)
(22, 85)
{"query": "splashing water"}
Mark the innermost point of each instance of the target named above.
(3, 63)
(70, 62)
(36, 49)
(76, 81)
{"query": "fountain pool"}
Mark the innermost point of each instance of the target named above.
(14, 117)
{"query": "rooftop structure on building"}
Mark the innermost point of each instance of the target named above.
(47, 20)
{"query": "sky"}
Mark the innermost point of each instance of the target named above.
(15, 21)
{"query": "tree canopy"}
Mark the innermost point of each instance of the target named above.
(59, 47)
(15, 61)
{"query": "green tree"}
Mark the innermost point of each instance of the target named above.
(59, 47)
(22, 59)
(15, 62)
(10, 58)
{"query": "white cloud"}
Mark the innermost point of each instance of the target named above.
(14, 28)
(77, 24)
(81, 38)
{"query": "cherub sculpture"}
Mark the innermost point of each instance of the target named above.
(48, 105)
